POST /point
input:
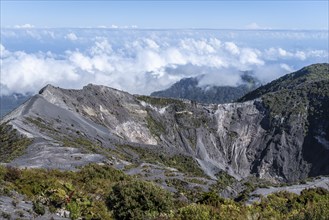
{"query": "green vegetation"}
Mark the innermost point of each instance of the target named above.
(155, 127)
(302, 94)
(310, 74)
(139, 200)
(82, 193)
(162, 102)
(223, 181)
(311, 204)
(89, 147)
(181, 162)
(41, 124)
(12, 144)
(101, 192)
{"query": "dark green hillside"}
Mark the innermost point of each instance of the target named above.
(299, 79)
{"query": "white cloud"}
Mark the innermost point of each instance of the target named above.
(225, 76)
(151, 44)
(279, 54)
(142, 62)
(250, 57)
(286, 67)
(3, 51)
(24, 26)
(71, 36)
(232, 48)
(300, 55)
(26, 72)
(269, 72)
(81, 61)
(253, 26)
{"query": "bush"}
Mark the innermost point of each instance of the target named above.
(139, 200)
(211, 198)
(194, 211)
(39, 208)
(12, 174)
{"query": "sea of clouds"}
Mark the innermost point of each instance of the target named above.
(143, 61)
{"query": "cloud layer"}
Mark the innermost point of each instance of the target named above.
(145, 61)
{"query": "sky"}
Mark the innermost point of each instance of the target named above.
(146, 46)
(167, 14)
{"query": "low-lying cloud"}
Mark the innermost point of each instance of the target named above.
(146, 62)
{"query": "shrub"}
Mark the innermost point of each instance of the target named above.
(211, 198)
(39, 208)
(195, 212)
(12, 174)
(139, 200)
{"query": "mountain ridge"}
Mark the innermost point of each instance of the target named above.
(189, 88)
(102, 125)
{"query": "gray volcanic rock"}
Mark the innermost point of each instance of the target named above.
(16, 206)
(71, 128)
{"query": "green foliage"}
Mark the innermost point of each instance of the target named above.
(87, 146)
(139, 200)
(211, 198)
(102, 192)
(307, 75)
(39, 208)
(184, 164)
(12, 144)
(12, 174)
(311, 204)
(301, 97)
(162, 102)
(195, 212)
(227, 210)
(183, 188)
(223, 180)
(181, 162)
(41, 124)
(83, 193)
(3, 171)
(155, 127)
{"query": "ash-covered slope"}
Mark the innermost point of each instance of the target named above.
(98, 124)
(10, 102)
(188, 88)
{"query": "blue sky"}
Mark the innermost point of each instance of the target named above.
(48, 42)
(167, 14)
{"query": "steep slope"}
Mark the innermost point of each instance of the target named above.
(298, 106)
(188, 88)
(10, 102)
(275, 137)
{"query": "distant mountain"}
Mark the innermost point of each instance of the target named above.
(10, 102)
(188, 88)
